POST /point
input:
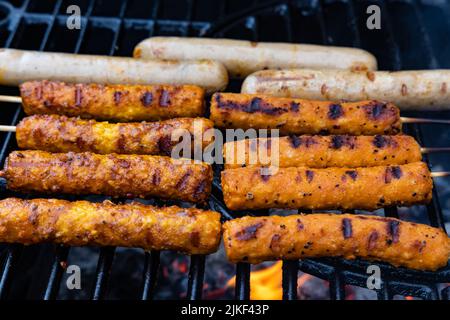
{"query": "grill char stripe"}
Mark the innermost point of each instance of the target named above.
(347, 230)
(393, 229)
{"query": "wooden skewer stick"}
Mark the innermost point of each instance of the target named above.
(11, 99)
(14, 99)
(424, 120)
(435, 150)
(7, 128)
(439, 174)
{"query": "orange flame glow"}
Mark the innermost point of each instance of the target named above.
(265, 284)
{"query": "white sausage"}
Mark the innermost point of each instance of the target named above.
(409, 90)
(242, 58)
(17, 66)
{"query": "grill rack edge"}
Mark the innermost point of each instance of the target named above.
(338, 273)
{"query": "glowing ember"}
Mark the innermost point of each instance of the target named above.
(303, 279)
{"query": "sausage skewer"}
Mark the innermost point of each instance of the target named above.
(55, 133)
(197, 109)
(112, 102)
(81, 223)
(205, 124)
(328, 188)
(300, 116)
(22, 65)
(61, 134)
(111, 175)
(324, 151)
(400, 243)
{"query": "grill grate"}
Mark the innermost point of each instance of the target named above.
(414, 35)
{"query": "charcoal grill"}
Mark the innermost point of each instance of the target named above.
(414, 35)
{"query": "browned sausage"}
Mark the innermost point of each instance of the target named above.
(61, 134)
(322, 151)
(299, 116)
(82, 223)
(411, 245)
(329, 188)
(112, 102)
(111, 175)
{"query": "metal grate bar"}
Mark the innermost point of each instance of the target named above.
(84, 26)
(351, 13)
(322, 24)
(383, 293)
(433, 62)
(337, 288)
(290, 276)
(410, 289)
(151, 269)
(104, 264)
(446, 293)
(56, 272)
(50, 26)
(242, 289)
(154, 16)
(189, 13)
(12, 257)
(196, 275)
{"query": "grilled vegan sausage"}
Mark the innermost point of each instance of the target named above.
(242, 58)
(111, 175)
(409, 90)
(81, 223)
(55, 133)
(17, 66)
(298, 116)
(112, 102)
(329, 188)
(323, 151)
(400, 243)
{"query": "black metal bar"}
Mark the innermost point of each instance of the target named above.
(189, 14)
(433, 62)
(337, 288)
(84, 26)
(391, 212)
(104, 264)
(12, 256)
(322, 24)
(290, 276)
(397, 63)
(351, 12)
(151, 268)
(446, 293)
(196, 275)
(154, 16)
(56, 272)
(423, 291)
(242, 288)
(50, 25)
(383, 293)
